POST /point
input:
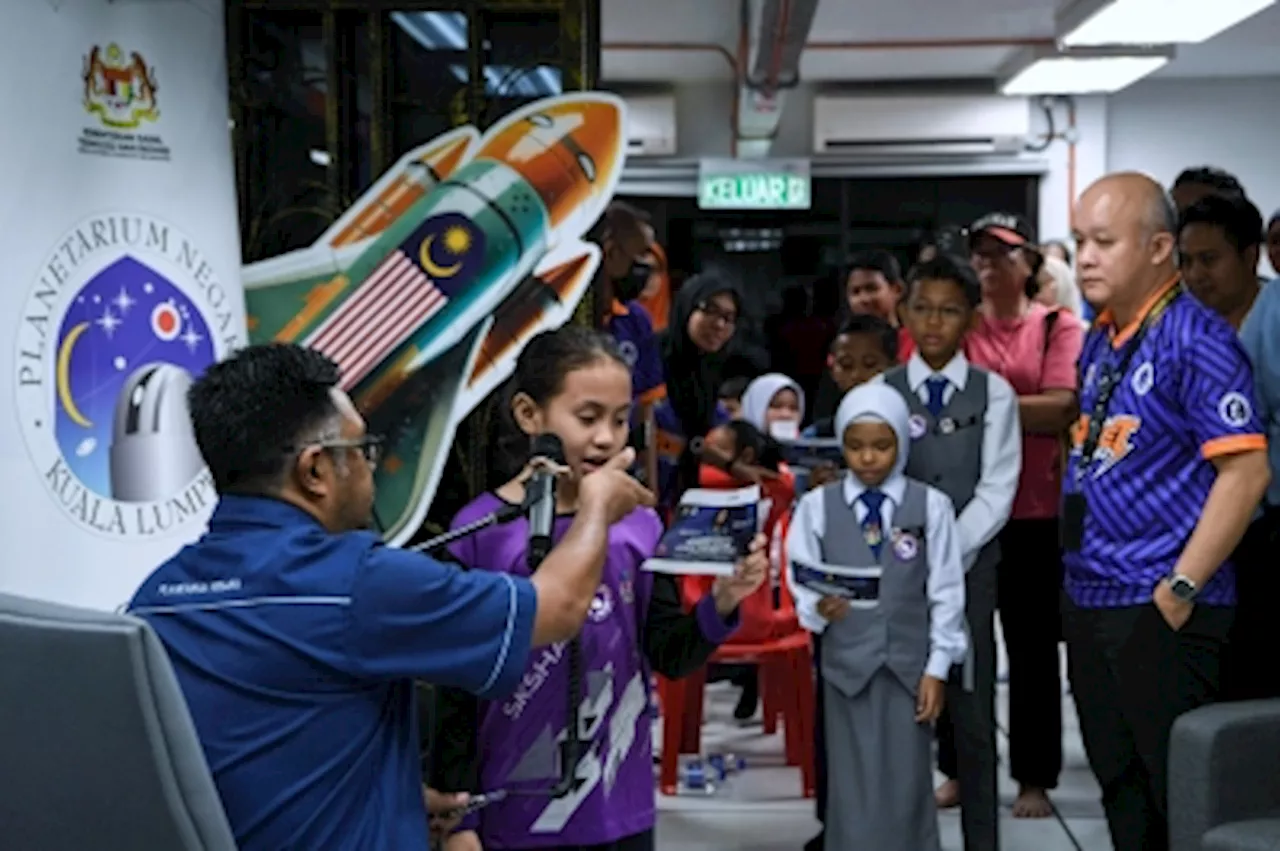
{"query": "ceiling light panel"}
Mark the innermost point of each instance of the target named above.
(1114, 22)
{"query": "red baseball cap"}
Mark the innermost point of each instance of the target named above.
(1014, 231)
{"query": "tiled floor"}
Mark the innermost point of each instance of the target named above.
(760, 809)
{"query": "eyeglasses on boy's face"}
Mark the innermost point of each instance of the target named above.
(945, 312)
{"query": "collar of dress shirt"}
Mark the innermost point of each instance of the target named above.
(956, 371)
(893, 487)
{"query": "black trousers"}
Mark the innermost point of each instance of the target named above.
(967, 727)
(1029, 598)
(1249, 671)
(1132, 676)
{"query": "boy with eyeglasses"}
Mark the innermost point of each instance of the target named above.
(967, 443)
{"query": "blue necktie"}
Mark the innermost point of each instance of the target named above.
(872, 500)
(937, 387)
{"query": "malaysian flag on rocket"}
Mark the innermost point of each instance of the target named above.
(403, 292)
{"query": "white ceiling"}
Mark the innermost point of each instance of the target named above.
(1249, 49)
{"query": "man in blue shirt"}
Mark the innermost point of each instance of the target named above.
(296, 635)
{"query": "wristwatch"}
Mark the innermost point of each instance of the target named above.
(1183, 588)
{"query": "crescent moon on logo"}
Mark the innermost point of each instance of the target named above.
(62, 376)
(433, 269)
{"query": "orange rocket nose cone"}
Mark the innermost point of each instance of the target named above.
(570, 151)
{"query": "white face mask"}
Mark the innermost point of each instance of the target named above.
(784, 429)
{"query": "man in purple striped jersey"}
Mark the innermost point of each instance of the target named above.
(1168, 464)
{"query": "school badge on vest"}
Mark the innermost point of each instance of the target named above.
(916, 426)
(905, 545)
(872, 535)
(946, 425)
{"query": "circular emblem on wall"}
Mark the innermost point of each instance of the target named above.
(917, 427)
(124, 315)
(1235, 410)
(1144, 378)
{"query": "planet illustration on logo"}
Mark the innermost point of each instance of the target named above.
(129, 346)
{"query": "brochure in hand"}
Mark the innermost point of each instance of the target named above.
(712, 529)
(859, 585)
(811, 452)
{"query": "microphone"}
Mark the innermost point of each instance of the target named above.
(540, 497)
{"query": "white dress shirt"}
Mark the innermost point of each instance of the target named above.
(988, 511)
(945, 586)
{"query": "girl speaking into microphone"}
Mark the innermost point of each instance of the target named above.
(593, 790)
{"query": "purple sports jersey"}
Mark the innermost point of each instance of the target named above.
(517, 744)
(631, 327)
(1186, 398)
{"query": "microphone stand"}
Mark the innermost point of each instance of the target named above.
(505, 514)
(571, 747)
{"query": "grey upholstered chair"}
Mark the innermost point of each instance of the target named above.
(1224, 778)
(97, 749)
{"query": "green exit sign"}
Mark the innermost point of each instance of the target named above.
(763, 185)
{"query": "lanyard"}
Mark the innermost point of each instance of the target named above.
(1111, 378)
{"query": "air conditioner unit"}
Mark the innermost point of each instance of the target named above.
(920, 126)
(651, 125)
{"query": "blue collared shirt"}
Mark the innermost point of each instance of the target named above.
(296, 651)
(1261, 338)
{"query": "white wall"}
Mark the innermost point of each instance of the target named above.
(1163, 126)
(1159, 127)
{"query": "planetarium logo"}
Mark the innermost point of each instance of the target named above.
(126, 313)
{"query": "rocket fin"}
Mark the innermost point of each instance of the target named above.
(541, 302)
(412, 176)
(419, 421)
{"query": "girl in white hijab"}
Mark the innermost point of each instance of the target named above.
(774, 404)
(874, 564)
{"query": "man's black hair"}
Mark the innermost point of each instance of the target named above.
(947, 267)
(877, 260)
(865, 323)
(1239, 219)
(1219, 180)
(254, 410)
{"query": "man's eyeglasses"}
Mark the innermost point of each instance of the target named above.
(370, 446)
(715, 314)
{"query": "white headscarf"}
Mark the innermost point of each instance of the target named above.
(759, 395)
(876, 401)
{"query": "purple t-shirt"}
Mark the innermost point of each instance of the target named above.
(517, 739)
(1186, 398)
(631, 327)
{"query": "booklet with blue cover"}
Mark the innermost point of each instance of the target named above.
(859, 585)
(711, 531)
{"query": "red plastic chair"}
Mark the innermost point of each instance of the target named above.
(771, 638)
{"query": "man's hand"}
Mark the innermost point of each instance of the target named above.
(833, 608)
(613, 489)
(1174, 611)
(930, 697)
(467, 840)
(747, 575)
(444, 811)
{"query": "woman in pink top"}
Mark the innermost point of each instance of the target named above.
(1034, 348)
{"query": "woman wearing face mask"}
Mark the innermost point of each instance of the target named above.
(694, 350)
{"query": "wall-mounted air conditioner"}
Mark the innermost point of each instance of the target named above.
(651, 125)
(920, 126)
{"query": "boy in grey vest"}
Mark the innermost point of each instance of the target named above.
(874, 564)
(966, 441)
